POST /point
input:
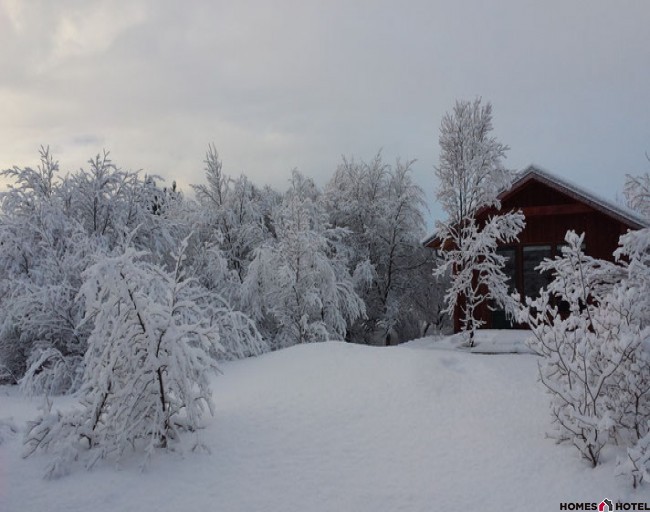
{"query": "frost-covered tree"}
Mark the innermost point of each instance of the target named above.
(637, 193)
(381, 207)
(471, 172)
(476, 268)
(99, 197)
(298, 287)
(110, 202)
(44, 252)
(231, 215)
(147, 367)
(596, 359)
(51, 228)
(470, 176)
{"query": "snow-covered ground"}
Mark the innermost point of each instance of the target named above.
(341, 427)
(486, 341)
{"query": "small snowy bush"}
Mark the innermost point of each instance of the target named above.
(636, 463)
(49, 372)
(595, 357)
(147, 366)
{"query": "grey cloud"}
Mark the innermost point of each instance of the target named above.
(289, 84)
(87, 140)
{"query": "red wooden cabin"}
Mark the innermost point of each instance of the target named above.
(552, 206)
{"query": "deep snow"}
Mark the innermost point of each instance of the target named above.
(336, 426)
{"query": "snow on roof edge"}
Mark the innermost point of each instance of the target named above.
(598, 201)
(428, 238)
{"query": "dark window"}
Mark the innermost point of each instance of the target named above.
(534, 280)
(509, 266)
(499, 318)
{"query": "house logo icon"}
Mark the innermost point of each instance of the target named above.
(606, 506)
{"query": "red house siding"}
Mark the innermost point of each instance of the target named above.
(550, 214)
(551, 209)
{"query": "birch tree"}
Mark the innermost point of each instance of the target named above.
(298, 287)
(470, 177)
(382, 208)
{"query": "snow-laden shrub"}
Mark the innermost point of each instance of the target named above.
(47, 314)
(239, 335)
(51, 229)
(13, 355)
(595, 356)
(49, 372)
(147, 367)
(634, 385)
(44, 252)
(636, 462)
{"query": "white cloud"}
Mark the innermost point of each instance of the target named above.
(277, 85)
(14, 10)
(91, 28)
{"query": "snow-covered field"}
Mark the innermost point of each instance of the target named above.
(341, 427)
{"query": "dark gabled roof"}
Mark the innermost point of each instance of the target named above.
(619, 212)
(535, 173)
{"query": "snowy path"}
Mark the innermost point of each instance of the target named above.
(344, 427)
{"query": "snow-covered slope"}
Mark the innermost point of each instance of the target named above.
(341, 427)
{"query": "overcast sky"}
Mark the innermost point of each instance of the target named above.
(283, 84)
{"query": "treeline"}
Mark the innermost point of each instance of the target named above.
(268, 269)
